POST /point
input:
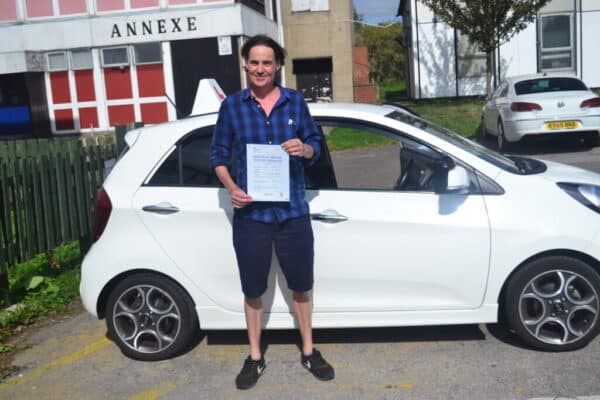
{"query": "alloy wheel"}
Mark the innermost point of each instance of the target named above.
(146, 319)
(559, 307)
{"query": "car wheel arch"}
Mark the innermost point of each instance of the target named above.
(110, 285)
(594, 263)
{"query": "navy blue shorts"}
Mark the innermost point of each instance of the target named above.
(294, 246)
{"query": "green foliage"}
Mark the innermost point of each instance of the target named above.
(392, 91)
(386, 59)
(347, 138)
(41, 287)
(487, 23)
(462, 116)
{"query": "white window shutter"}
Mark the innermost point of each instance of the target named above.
(300, 5)
(319, 5)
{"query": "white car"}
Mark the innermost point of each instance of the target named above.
(418, 227)
(540, 105)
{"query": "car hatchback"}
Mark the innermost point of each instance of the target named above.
(416, 226)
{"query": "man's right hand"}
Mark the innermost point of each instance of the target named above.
(239, 198)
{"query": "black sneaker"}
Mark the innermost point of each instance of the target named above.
(317, 366)
(251, 371)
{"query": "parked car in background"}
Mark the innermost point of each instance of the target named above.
(419, 226)
(541, 104)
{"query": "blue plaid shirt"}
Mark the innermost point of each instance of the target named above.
(242, 121)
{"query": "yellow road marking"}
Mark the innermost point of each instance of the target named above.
(69, 358)
(155, 392)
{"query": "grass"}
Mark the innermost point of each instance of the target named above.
(346, 138)
(392, 91)
(40, 287)
(459, 115)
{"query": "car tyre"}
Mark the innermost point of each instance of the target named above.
(553, 303)
(483, 133)
(150, 317)
(503, 144)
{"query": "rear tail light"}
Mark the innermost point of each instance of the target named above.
(103, 209)
(519, 106)
(593, 102)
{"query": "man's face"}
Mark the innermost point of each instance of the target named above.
(261, 67)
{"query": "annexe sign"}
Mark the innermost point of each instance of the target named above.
(170, 25)
(153, 27)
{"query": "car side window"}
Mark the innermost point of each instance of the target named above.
(365, 157)
(189, 163)
(501, 91)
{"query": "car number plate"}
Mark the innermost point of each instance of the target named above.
(562, 125)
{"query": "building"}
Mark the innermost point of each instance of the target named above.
(442, 63)
(79, 65)
(318, 39)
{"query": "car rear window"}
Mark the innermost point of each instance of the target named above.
(543, 85)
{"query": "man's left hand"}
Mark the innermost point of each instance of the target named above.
(295, 147)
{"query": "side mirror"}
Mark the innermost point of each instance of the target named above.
(458, 180)
(442, 167)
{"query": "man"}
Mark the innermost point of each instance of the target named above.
(267, 113)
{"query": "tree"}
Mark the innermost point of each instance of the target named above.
(384, 40)
(487, 23)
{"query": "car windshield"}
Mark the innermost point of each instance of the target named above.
(478, 150)
(543, 85)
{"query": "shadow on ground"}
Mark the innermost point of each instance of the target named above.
(354, 335)
(542, 145)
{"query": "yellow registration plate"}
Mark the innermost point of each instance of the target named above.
(562, 125)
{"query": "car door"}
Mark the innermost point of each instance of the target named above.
(184, 207)
(384, 239)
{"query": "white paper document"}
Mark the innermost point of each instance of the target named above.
(268, 172)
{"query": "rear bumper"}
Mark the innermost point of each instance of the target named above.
(517, 129)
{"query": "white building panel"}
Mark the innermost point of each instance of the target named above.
(519, 55)
(436, 60)
(590, 5)
(590, 49)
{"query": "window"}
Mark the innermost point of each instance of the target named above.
(57, 61)
(556, 50)
(81, 59)
(548, 85)
(189, 163)
(310, 5)
(313, 79)
(363, 157)
(115, 56)
(148, 53)
(471, 60)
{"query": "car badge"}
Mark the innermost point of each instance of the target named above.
(560, 104)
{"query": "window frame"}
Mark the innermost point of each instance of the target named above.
(134, 59)
(65, 56)
(550, 50)
(120, 64)
(375, 129)
(177, 147)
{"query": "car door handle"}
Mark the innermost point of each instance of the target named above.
(161, 208)
(329, 216)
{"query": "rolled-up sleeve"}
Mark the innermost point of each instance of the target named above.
(310, 135)
(220, 148)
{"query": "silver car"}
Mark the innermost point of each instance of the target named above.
(541, 105)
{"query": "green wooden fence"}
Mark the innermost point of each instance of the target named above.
(47, 195)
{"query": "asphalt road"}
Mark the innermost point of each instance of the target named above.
(73, 359)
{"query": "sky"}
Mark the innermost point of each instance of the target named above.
(374, 11)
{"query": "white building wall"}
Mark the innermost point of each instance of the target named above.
(436, 60)
(590, 48)
(519, 55)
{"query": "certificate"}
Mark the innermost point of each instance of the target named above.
(268, 172)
